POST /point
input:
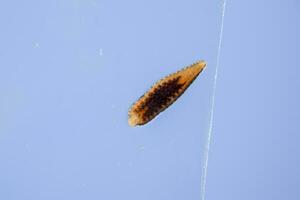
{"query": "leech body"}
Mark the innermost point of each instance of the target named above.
(162, 94)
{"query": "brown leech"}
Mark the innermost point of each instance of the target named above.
(162, 94)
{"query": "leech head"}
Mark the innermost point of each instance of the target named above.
(199, 66)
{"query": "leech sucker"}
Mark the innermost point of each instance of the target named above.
(163, 93)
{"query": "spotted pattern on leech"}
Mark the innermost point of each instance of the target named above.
(163, 94)
(161, 97)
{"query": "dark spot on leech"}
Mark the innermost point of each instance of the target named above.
(161, 97)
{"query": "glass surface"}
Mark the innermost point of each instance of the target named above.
(70, 70)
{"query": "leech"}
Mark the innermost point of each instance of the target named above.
(162, 94)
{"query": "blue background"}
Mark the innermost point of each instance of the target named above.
(71, 69)
(255, 145)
